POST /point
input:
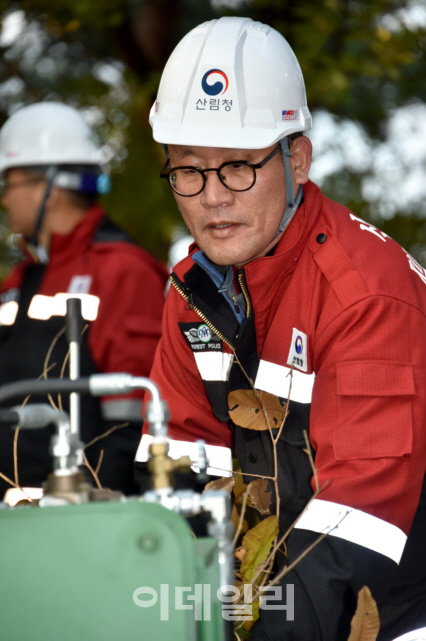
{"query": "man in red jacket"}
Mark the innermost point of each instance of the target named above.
(52, 178)
(285, 287)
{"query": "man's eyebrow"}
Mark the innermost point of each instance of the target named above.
(184, 153)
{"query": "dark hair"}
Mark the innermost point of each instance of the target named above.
(292, 137)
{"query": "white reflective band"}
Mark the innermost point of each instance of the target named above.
(128, 409)
(214, 366)
(220, 458)
(414, 635)
(15, 494)
(8, 312)
(43, 307)
(276, 379)
(355, 526)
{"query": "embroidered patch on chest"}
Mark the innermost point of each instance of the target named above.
(298, 354)
(200, 337)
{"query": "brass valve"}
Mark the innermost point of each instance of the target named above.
(162, 466)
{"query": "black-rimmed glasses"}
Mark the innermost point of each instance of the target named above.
(236, 175)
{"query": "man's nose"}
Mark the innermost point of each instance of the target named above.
(215, 194)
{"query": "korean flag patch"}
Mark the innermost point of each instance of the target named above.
(298, 354)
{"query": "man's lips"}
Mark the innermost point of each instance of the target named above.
(221, 229)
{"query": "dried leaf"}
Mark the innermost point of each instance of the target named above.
(365, 624)
(255, 607)
(257, 543)
(235, 518)
(242, 633)
(259, 497)
(224, 483)
(239, 553)
(247, 409)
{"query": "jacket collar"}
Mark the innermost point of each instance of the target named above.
(64, 247)
(291, 245)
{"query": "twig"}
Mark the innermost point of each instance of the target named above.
(286, 569)
(7, 479)
(265, 413)
(46, 360)
(241, 519)
(15, 440)
(50, 350)
(15, 456)
(94, 474)
(311, 459)
(98, 467)
(258, 476)
(42, 375)
(105, 434)
(256, 392)
(271, 557)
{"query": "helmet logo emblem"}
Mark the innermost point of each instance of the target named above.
(214, 90)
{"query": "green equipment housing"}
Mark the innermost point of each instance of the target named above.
(76, 572)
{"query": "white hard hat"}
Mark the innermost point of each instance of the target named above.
(230, 83)
(47, 133)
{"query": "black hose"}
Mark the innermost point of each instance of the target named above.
(39, 388)
(8, 418)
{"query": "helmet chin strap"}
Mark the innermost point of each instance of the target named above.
(50, 177)
(291, 207)
(292, 202)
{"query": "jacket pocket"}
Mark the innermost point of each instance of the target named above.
(374, 416)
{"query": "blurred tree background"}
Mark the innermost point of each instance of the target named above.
(364, 69)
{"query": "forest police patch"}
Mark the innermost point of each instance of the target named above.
(200, 337)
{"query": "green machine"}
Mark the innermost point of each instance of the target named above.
(106, 571)
(94, 565)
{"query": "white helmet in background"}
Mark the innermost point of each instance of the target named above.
(47, 133)
(54, 139)
(230, 83)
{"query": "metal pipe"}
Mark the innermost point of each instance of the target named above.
(98, 385)
(74, 396)
(74, 328)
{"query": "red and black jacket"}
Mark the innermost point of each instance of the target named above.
(97, 258)
(346, 307)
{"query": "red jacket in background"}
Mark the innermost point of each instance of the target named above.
(96, 258)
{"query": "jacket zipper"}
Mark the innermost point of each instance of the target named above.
(188, 298)
(245, 294)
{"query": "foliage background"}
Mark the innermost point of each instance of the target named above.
(363, 63)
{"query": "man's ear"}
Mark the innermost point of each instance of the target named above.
(54, 197)
(301, 156)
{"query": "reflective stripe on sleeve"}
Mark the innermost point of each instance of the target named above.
(43, 307)
(220, 458)
(355, 526)
(276, 379)
(213, 366)
(8, 312)
(127, 409)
